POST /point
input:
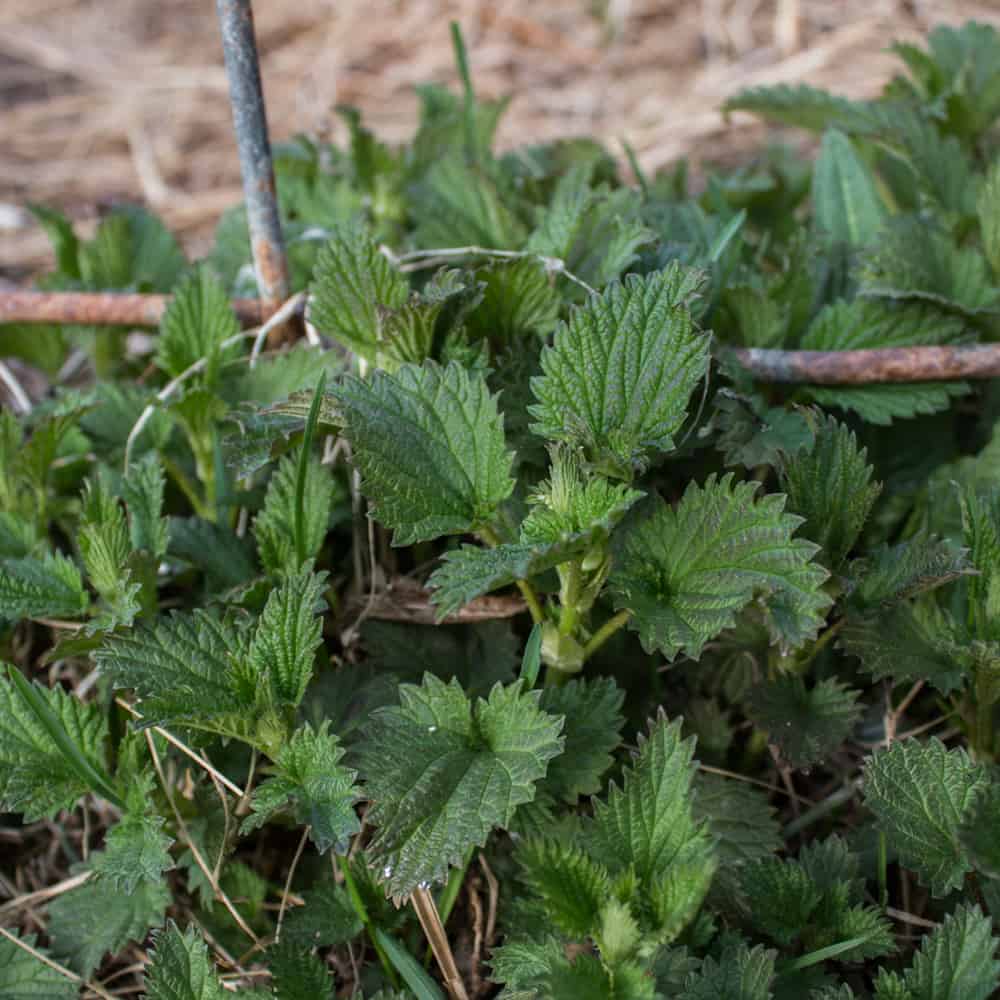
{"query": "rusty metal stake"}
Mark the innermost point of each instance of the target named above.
(246, 95)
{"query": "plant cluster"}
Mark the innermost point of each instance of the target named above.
(505, 637)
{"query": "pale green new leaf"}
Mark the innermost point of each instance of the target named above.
(617, 379)
(805, 725)
(80, 941)
(430, 446)
(921, 793)
(353, 284)
(441, 773)
(647, 824)
(570, 886)
(310, 778)
(36, 778)
(686, 572)
(274, 526)
(198, 319)
(181, 968)
(846, 203)
(24, 977)
(142, 490)
(874, 323)
(136, 852)
(956, 961)
(831, 487)
(283, 649)
(39, 588)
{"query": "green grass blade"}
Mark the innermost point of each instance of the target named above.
(423, 987)
(300, 480)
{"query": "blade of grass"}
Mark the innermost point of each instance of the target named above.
(302, 471)
(822, 954)
(95, 779)
(462, 60)
(411, 971)
(532, 660)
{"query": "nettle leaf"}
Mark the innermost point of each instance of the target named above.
(751, 433)
(782, 898)
(889, 574)
(956, 961)
(918, 261)
(225, 558)
(740, 974)
(197, 320)
(978, 832)
(591, 709)
(988, 207)
(39, 588)
(441, 773)
(283, 649)
(353, 283)
(327, 918)
(907, 643)
(571, 887)
(142, 490)
(805, 725)
(181, 968)
(831, 487)
(430, 446)
(686, 572)
(36, 778)
(135, 852)
(519, 299)
(846, 203)
(617, 378)
(310, 778)
(921, 794)
(647, 824)
(298, 974)
(805, 107)
(981, 531)
(867, 323)
(24, 977)
(739, 817)
(81, 942)
(596, 232)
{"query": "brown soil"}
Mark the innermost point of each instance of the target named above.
(112, 99)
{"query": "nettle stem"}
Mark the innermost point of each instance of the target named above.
(571, 577)
(492, 539)
(605, 632)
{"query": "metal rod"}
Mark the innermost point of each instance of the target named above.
(870, 367)
(101, 309)
(246, 95)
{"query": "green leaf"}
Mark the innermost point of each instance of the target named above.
(24, 977)
(846, 203)
(617, 379)
(142, 490)
(283, 649)
(411, 971)
(751, 433)
(956, 961)
(40, 588)
(872, 323)
(595, 231)
(430, 446)
(310, 778)
(65, 243)
(739, 817)
(978, 831)
(442, 773)
(225, 559)
(782, 898)
(571, 887)
(591, 709)
(197, 321)
(181, 969)
(353, 284)
(298, 974)
(686, 572)
(647, 824)
(988, 207)
(831, 487)
(921, 793)
(803, 107)
(327, 918)
(81, 942)
(50, 754)
(890, 574)
(805, 725)
(519, 299)
(740, 974)
(981, 531)
(135, 853)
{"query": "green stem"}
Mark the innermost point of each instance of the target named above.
(362, 911)
(570, 597)
(605, 632)
(882, 862)
(302, 472)
(490, 537)
(179, 476)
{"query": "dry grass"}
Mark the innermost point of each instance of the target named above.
(127, 98)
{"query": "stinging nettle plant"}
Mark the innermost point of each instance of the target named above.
(507, 638)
